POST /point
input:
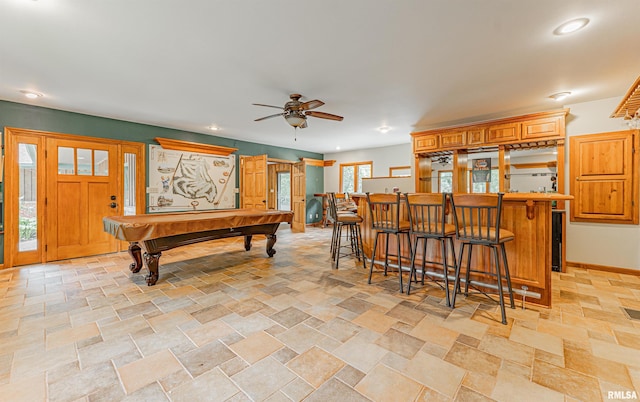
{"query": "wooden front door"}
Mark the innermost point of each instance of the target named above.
(82, 188)
(253, 191)
(298, 195)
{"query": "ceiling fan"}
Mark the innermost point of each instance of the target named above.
(296, 112)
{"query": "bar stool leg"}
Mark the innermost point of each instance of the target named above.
(456, 284)
(412, 267)
(386, 255)
(400, 263)
(424, 259)
(500, 293)
(361, 249)
(455, 261)
(333, 239)
(467, 276)
(337, 258)
(443, 246)
(507, 274)
(373, 255)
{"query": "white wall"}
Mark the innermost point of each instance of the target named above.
(383, 158)
(597, 243)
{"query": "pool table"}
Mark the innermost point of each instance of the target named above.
(155, 233)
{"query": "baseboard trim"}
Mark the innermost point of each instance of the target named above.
(616, 270)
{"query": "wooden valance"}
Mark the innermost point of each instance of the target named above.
(178, 145)
(317, 162)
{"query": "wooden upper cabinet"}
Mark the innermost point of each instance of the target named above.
(507, 132)
(604, 177)
(531, 128)
(427, 142)
(453, 139)
(476, 136)
(543, 128)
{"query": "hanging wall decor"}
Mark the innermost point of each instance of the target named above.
(189, 181)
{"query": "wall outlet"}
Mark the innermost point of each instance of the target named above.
(310, 216)
(316, 216)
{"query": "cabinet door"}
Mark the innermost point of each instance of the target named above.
(542, 128)
(604, 182)
(425, 143)
(454, 139)
(476, 136)
(507, 132)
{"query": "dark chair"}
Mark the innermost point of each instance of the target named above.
(387, 220)
(340, 220)
(427, 217)
(477, 221)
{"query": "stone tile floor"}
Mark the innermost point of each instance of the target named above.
(225, 324)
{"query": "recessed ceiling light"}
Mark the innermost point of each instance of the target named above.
(214, 128)
(31, 94)
(338, 148)
(384, 129)
(560, 96)
(571, 26)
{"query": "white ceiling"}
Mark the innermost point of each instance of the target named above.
(406, 64)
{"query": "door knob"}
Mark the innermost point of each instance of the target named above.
(113, 205)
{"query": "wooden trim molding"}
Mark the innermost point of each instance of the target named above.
(312, 162)
(276, 160)
(630, 102)
(317, 162)
(605, 268)
(179, 145)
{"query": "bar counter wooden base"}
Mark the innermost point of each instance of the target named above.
(528, 216)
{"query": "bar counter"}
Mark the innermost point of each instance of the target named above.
(527, 215)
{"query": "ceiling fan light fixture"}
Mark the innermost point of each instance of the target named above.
(295, 119)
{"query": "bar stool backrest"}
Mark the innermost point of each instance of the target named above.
(385, 211)
(477, 217)
(333, 209)
(427, 213)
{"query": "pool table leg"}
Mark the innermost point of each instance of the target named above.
(134, 252)
(247, 242)
(151, 260)
(271, 240)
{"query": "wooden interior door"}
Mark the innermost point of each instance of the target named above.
(298, 196)
(253, 185)
(82, 188)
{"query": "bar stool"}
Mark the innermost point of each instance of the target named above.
(477, 221)
(341, 219)
(427, 217)
(385, 220)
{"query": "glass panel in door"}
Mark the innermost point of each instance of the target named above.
(129, 198)
(27, 198)
(284, 191)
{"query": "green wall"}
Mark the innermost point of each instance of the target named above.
(38, 118)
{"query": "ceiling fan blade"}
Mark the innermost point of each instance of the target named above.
(312, 104)
(324, 115)
(268, 117)
(260, 104)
